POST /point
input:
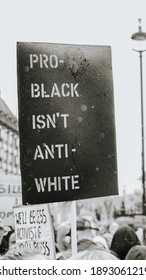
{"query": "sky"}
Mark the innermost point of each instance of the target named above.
(93, 22)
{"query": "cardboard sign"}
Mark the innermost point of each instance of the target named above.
(66, 122)
(34, 231)
(10, 185)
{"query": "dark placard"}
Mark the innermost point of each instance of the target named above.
(66, 122)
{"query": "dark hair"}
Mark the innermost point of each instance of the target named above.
(123, 240)
(8, 235)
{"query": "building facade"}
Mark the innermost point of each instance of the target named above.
(9, 141)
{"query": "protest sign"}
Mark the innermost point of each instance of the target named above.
(10, 196)
(66, 122)
(10, 185)
(34, 230)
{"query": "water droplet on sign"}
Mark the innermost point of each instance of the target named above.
(83, 107)
(101, 135)
(79, 119)
(26, 69)
(109, 156)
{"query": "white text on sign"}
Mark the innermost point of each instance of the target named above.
(65, 90)
(57, 183)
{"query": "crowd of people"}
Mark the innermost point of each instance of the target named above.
(112, 242)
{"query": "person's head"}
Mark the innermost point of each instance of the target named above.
(108, 237)
(12, 240)
(113, 227)
(63, 237)
(100, 242)
(85, 228)
(137, 252)
(94, 255)
(22, 254)
(7, 229)
(123, 240)
(1, 231)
